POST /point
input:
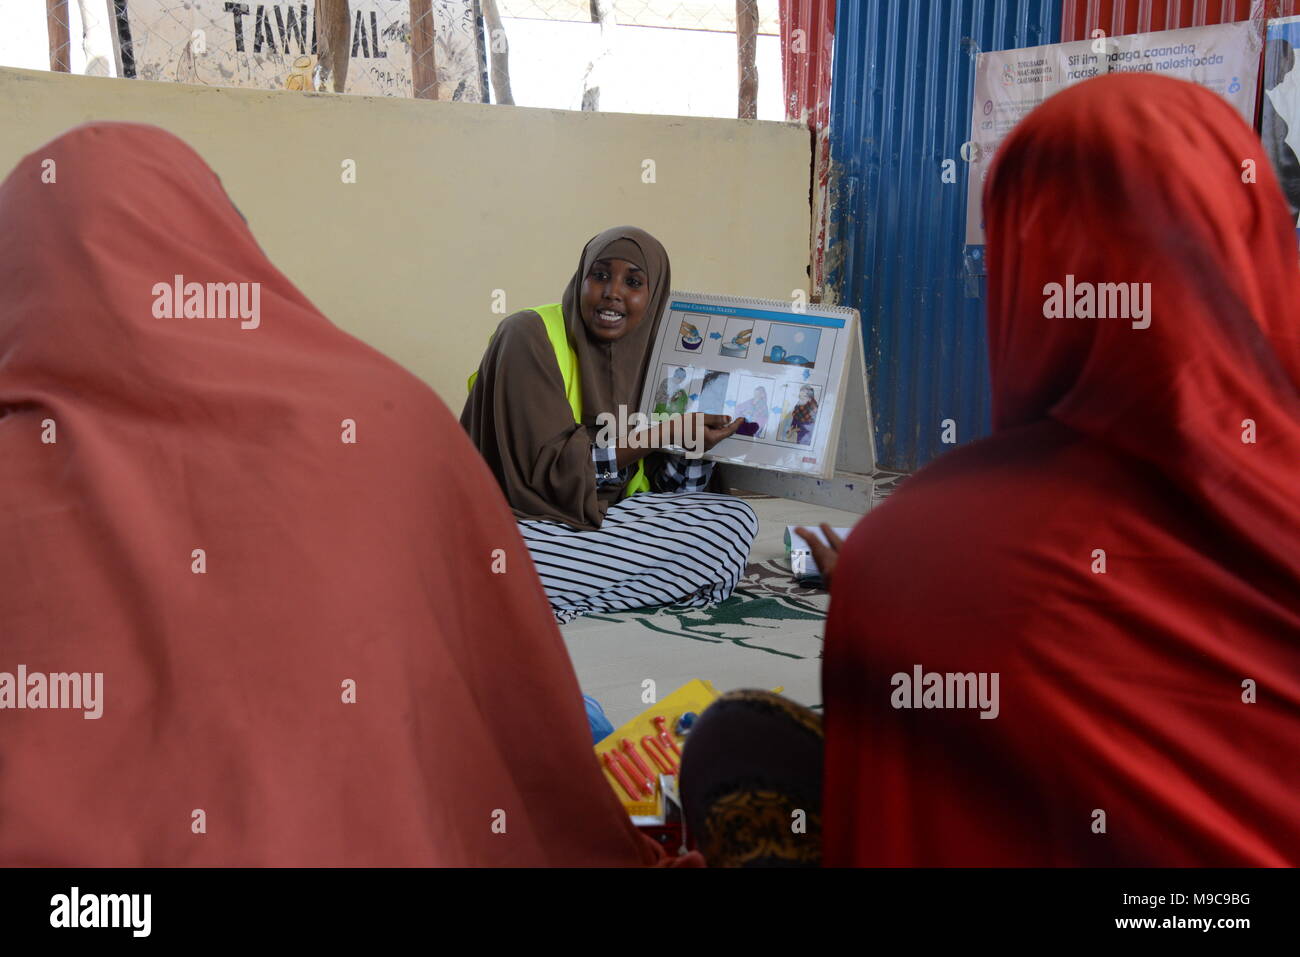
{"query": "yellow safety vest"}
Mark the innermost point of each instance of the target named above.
(567, 359)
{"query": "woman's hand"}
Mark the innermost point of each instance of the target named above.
(700, 428)
(719, 427)
(824, 555)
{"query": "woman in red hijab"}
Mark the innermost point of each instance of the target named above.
(1123, 552)
(308, 629)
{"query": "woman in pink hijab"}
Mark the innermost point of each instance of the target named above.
(297, 615)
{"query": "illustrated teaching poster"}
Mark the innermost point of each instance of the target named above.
(778, 365)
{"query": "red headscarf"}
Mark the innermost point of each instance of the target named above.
(392, 563)
(1124, 550)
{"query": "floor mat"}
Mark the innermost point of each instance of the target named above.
(768, 634)
(764, 605)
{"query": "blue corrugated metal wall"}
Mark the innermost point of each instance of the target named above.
(902, 81)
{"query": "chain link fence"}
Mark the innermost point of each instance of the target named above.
(687, 56)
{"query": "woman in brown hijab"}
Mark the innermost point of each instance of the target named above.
(610, 525)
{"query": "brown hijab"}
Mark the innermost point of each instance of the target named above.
(517, 413)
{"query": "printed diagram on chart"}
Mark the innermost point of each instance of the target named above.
(780, 370)
(754, 398)
(736, 336)
(799, 415)
(713, 393)
(690, 331)
(673, 394)
(792, 345)
(686, 389)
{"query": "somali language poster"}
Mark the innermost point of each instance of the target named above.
(1010, 83)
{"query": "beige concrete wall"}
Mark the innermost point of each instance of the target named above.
(453, 201)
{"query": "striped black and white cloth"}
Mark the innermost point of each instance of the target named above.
(680, 546)
(679, 473)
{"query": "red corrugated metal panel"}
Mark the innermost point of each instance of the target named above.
(1118, 17)
(806, 75)
(806, 59)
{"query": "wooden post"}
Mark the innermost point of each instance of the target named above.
(747, 58)
(333, 30)
(56, 20)
(602, 12)
(424, 69)
(499, 51)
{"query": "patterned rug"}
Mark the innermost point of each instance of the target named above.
(766, 605)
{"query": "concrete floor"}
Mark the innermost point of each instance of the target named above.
(613, 659)
(774, 514)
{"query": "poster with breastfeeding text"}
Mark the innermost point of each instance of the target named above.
(1010, 83)
(781, 366)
